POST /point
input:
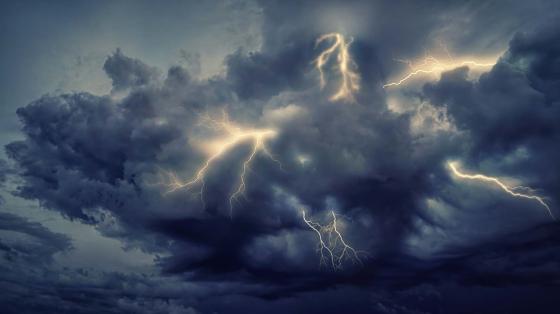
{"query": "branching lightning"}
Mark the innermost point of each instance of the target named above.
(432, 65)
(234, 135)
(350, 80)
(513, 191)
(332, 247)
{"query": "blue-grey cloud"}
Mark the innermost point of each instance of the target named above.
(127, 72)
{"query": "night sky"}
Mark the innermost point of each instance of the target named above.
(199, 157)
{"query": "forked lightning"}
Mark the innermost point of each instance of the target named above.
(234, 135)
(332, 247)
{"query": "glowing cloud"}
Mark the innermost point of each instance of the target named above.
(234, 135)
(332, 247)
(349, 81)
(513, 191)
(432, 65)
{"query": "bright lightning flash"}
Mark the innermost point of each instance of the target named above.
(234, 135)
(432, 65)
(349, 78)
(332, 247)
(510, 190)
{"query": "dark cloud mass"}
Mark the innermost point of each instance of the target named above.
(126, 72)
(513, 109)
(430, 243)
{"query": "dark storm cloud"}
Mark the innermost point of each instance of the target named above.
(88, 149)
(32, 283)
(29, 242)
(97, 158)
(3, 170)
(290, 30)
(127, 72)
(52, 290)
(260, 75)
(85, 153)
(512, 111)
(510, 117)
(528, 257)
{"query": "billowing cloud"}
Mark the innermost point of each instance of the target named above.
(127, 72)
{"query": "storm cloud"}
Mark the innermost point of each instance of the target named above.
(425, 238)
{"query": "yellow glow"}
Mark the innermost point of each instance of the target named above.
(349, 78)
(432, 65)
(233, 135)
(332, 247)
(510, 190)
(303, 159)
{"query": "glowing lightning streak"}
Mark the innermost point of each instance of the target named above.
(235, 136)
(332, 246)
(507, 189)
(350, 79)
(431, 65)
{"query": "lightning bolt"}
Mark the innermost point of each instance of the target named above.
(510, 190)
(349, 78)
(332, 247)
(234, 136)
(432, 65)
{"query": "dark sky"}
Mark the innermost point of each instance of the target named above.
(104, 105)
